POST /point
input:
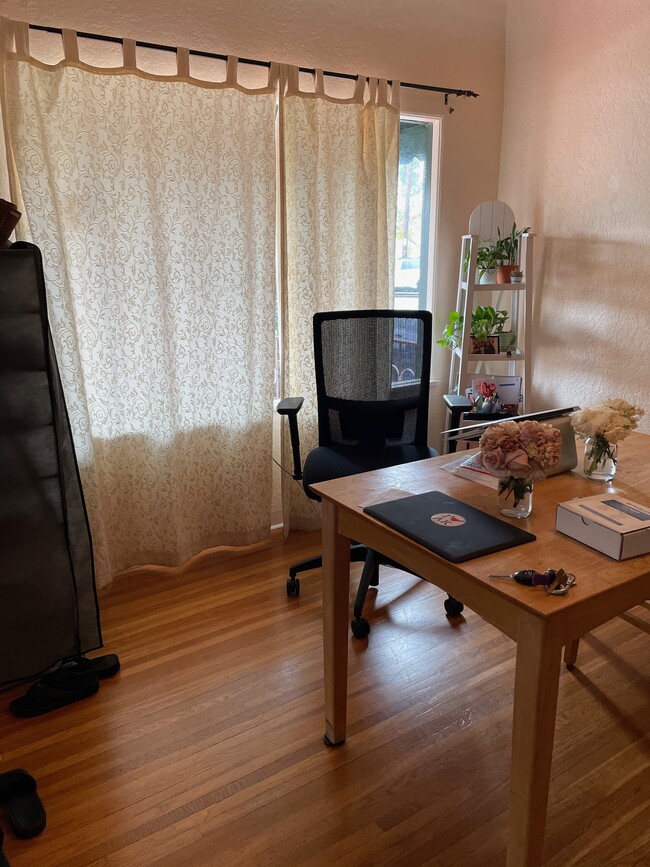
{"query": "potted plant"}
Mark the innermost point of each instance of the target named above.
(516, 276)
(507, 251)
(453, 331)
(486, 325)
(487, 261)
(507, 341)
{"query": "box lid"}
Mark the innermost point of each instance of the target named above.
(611, 511)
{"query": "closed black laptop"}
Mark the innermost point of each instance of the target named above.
(447, 526)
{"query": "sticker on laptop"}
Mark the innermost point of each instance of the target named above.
(448, 519)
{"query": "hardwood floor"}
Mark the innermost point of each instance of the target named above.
(206, 749)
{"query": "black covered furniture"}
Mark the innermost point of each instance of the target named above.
(48, 602)
(372, 391)
(460, 409)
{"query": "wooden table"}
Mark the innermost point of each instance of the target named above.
(540, 624)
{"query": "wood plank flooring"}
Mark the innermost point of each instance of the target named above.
(206, 749)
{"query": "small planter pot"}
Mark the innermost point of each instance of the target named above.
(503, 273)
(488, 276)
(507, 341)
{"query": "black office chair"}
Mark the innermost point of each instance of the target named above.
(372, 391)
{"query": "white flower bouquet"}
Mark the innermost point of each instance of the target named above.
(605, 425)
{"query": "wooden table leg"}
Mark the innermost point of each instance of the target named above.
(536, 687)
(336, 604)
(571, 653)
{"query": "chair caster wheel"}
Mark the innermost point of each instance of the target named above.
(293, 586)
(453, 607)
(360, 628)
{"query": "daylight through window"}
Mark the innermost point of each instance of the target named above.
(416, 200)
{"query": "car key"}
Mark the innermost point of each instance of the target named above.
(530, 577)
(556, 581)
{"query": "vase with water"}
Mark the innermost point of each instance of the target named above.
(515, 497)
(600, 459)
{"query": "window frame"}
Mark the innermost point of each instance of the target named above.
(434, 203)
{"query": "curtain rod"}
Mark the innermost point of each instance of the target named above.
(448, 91)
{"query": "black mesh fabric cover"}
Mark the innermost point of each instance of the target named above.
(48, 602)
(372, 390)
(372, 377)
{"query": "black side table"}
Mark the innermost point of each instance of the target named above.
(460, 410)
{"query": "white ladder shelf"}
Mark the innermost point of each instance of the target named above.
(516, 297)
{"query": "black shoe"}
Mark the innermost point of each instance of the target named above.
(22, 804)
(53, 691)
(3, 857)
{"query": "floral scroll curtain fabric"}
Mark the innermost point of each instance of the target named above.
(153, 202)
(340, 182)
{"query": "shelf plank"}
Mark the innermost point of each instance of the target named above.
(494, 287)
(513, 355)
(498, 356)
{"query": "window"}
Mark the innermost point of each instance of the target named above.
(416, 218)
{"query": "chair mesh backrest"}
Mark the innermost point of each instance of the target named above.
(372, 377)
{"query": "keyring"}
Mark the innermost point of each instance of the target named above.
(561, 583)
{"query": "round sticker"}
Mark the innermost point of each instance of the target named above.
(448, 519)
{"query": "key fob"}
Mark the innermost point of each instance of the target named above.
(530, 577)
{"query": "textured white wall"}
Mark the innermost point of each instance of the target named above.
(575, 164)
(454, 43)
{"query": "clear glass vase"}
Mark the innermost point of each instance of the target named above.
(515, 497)
(600, 459)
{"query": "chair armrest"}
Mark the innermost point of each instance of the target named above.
(290, 406)
(457, 401)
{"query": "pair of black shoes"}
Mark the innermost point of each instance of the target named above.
(72, 681)
(20, 801)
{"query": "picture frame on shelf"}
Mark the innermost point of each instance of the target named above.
(507, 388)
(485, 345)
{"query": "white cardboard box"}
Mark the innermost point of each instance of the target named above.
(609, 523)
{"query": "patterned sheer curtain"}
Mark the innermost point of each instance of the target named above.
(153, 201)
(340, 160)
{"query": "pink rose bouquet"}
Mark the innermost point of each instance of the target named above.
(520, 453)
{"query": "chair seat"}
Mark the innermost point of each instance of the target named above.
(335, 462)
